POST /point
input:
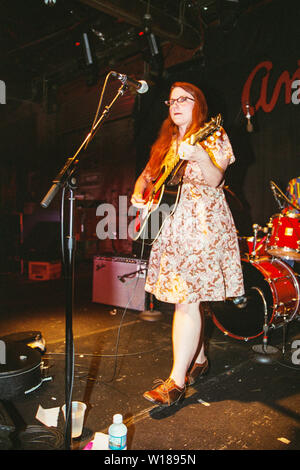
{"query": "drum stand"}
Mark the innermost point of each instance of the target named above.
(151, 314)
(265, 353)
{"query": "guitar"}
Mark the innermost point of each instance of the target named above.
(165, 190)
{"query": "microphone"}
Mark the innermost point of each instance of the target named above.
(140, 85)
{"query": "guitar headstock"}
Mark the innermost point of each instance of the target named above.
(213, 125)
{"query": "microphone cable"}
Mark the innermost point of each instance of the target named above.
(98, 109)
(140, 260)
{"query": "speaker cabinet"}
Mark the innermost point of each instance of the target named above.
(119, 281)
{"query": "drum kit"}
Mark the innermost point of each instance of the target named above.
(271, 280)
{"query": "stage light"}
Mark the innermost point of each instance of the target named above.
(152, 42)
(87, 50)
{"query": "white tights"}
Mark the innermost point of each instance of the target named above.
(187, 339)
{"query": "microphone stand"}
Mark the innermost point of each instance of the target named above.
(65, 179)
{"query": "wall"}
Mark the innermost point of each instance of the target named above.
(264, 44)
(38, 137)
(48, 133)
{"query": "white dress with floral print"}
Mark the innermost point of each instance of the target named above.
(196, 256)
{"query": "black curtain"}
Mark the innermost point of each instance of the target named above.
(232, 50)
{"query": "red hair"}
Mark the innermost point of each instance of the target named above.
(169, 130)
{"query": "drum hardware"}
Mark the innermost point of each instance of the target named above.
(265, 355)
(256, 229)
(277, 195)
(264, 352)
(280, 196)
(284, 335)
(151, 314)
(246, 247)
(265, 327)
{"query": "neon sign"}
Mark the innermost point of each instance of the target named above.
(290, 83)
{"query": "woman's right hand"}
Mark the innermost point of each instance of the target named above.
(137, 200)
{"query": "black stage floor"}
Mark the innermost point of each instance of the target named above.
(246, 402)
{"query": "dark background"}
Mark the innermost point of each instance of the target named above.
(42, 127)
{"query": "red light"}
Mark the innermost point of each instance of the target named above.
(141, 33)
(77, 44)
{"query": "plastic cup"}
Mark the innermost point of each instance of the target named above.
(78, 411)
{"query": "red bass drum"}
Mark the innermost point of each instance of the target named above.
(271, 291)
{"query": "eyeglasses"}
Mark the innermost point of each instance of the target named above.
(181, 99)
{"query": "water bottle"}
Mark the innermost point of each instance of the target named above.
(117, 434)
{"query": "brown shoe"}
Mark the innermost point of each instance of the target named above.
(165, 394)
(196, 372)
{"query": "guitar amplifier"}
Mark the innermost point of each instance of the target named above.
(119, 281)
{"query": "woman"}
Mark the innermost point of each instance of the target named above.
(196, 256)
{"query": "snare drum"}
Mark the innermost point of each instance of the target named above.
(284, 239)
(272, 296)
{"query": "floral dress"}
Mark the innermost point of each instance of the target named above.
(196, 256)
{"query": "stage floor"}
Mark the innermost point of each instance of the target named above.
(245, 402)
